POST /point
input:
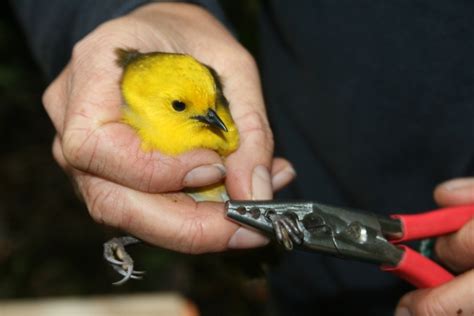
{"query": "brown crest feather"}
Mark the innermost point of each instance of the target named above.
(126, 56)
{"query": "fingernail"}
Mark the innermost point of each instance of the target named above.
(245, 238)
(458, 184)
(283, 177)
(402, 311)
(261, 184)
(204, 175)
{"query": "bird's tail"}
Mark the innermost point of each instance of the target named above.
(126, 56)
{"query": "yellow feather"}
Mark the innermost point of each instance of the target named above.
(151, 84)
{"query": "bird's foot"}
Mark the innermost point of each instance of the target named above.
(286, 230)
(120, 260)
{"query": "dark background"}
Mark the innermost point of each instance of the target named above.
(49, 245)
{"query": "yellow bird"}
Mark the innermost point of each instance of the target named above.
(175, 104)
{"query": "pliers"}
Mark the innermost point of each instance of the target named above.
(353, 234)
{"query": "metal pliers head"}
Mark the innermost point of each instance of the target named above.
(282, 220)
(317, 227)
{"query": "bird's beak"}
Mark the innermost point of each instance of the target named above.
(212, 119)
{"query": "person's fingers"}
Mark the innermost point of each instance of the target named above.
(59, 157)
(249, 167)
(457, 250)
(110, 150)
(173, 220)
(245, 238)
(452, 298)
(55, 99)
(282, 173)
(58, 154)
(455, 192)
(100, 194)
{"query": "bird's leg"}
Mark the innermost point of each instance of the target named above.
(120, 260)
(286, 229)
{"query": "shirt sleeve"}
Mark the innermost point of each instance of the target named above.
(53, 27)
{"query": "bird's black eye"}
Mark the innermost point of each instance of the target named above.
(178, 105)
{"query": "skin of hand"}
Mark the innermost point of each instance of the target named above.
(456, 251)
(124, 186)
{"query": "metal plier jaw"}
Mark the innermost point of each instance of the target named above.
(311, 226)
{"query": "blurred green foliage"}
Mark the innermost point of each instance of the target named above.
(49, 245)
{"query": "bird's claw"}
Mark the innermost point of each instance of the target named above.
(120, 260)
(286, 230)
(127, 274)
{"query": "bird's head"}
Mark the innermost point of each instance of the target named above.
(175, 103)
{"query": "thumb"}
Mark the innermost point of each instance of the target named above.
(249, 168)
(452, 298)
(455, 192)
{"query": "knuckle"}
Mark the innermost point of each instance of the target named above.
(465, 242)
(55, 95)
(82, 57)
(449, 248)
(75, 148)
(246, 58)
(79, 49)
(148, 174)
(47, 98)
(99, 200)
(98, 38)
(467, 235)
(157, 174)
(95, 203)
(56, 151)
(80, 148)
(85, 51)
(191, 236)
(441, 249)
(234, 58)
(255, 128)
(151, 177)
(254, 121)
(240, 59)
(71, 148)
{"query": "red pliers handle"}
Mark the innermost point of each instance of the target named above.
(352, 234)
(414, 267)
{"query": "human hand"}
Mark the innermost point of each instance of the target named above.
(456, 251)
(118, 181)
